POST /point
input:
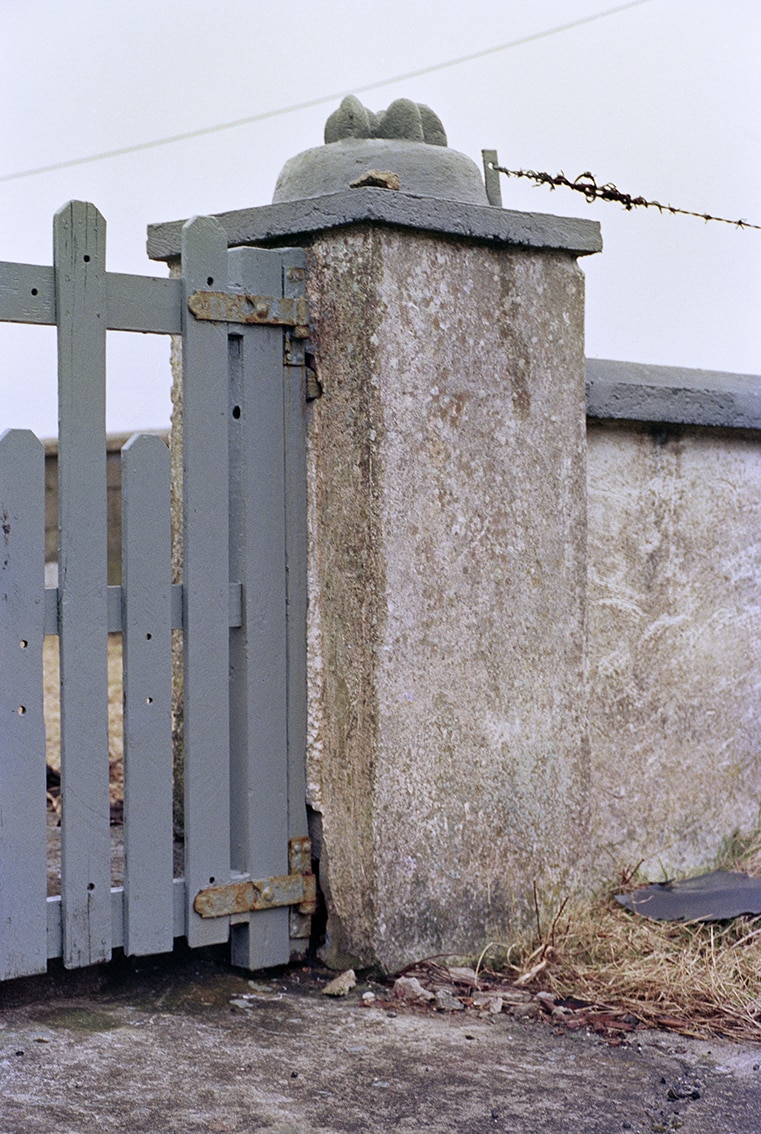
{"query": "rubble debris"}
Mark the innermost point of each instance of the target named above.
(410, 988)
(429, 984)
(717, 896)
(490, 1002)
(446, 1001)
(341, 984)
(461, 974)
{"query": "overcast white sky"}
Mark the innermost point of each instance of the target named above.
(662, 98)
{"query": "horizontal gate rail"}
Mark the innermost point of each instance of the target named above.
(115, 602)
(132, 303)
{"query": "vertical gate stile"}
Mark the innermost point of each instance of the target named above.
(79, 244)
(293, 263)
(257, 559)
(147, 661)
(23, 874)
(206, 642)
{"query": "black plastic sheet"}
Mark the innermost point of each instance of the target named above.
(710, 897)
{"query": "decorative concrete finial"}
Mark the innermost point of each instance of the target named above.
(413, 121)
(401, 148)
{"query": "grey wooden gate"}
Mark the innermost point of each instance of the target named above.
(240, 606)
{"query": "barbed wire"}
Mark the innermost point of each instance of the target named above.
(586, 184)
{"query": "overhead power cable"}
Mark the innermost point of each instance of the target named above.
(309, 103)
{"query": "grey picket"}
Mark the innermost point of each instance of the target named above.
(257, 557)
(294, 272)
(206, 635)
(23, 832)
(79, 261)
(147, 683)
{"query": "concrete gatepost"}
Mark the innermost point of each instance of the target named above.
(447, 759)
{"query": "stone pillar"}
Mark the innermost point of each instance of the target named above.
(447, 754)
(447, 525)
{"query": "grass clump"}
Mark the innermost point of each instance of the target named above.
(697, 978)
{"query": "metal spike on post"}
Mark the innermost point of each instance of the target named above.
(491, 178)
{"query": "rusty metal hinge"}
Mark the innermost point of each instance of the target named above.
(267, 310)
(299, 888)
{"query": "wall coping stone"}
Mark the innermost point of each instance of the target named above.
(292, 220)
(635, 391)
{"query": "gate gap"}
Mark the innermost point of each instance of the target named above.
(52, 712)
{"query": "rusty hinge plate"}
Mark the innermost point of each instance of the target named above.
(267, 310)
(246, 895)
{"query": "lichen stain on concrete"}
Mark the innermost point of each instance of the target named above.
(675, 599)
(345, 466)
(78, 1019)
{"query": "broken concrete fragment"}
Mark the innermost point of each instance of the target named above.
(446, 1001)
(376, 179)
(410, 988)
(341, 984)
(528, 1011)
(488, 1001)
(710, 897)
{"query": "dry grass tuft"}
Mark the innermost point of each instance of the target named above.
(701, 979)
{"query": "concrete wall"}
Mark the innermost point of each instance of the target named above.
(674, 642)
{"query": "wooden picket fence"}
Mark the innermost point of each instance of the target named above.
(241, 608)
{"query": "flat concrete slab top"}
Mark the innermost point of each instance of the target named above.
(193, 1047)
(634, 391)
(289, 221)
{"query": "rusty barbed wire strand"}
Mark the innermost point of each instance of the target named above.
(586, 184)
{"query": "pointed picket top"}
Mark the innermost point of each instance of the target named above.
(204, 241)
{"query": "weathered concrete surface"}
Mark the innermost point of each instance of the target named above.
(448, 750)
(162, 1051)
(675, 644)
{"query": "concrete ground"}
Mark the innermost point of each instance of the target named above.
(159, 1046)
